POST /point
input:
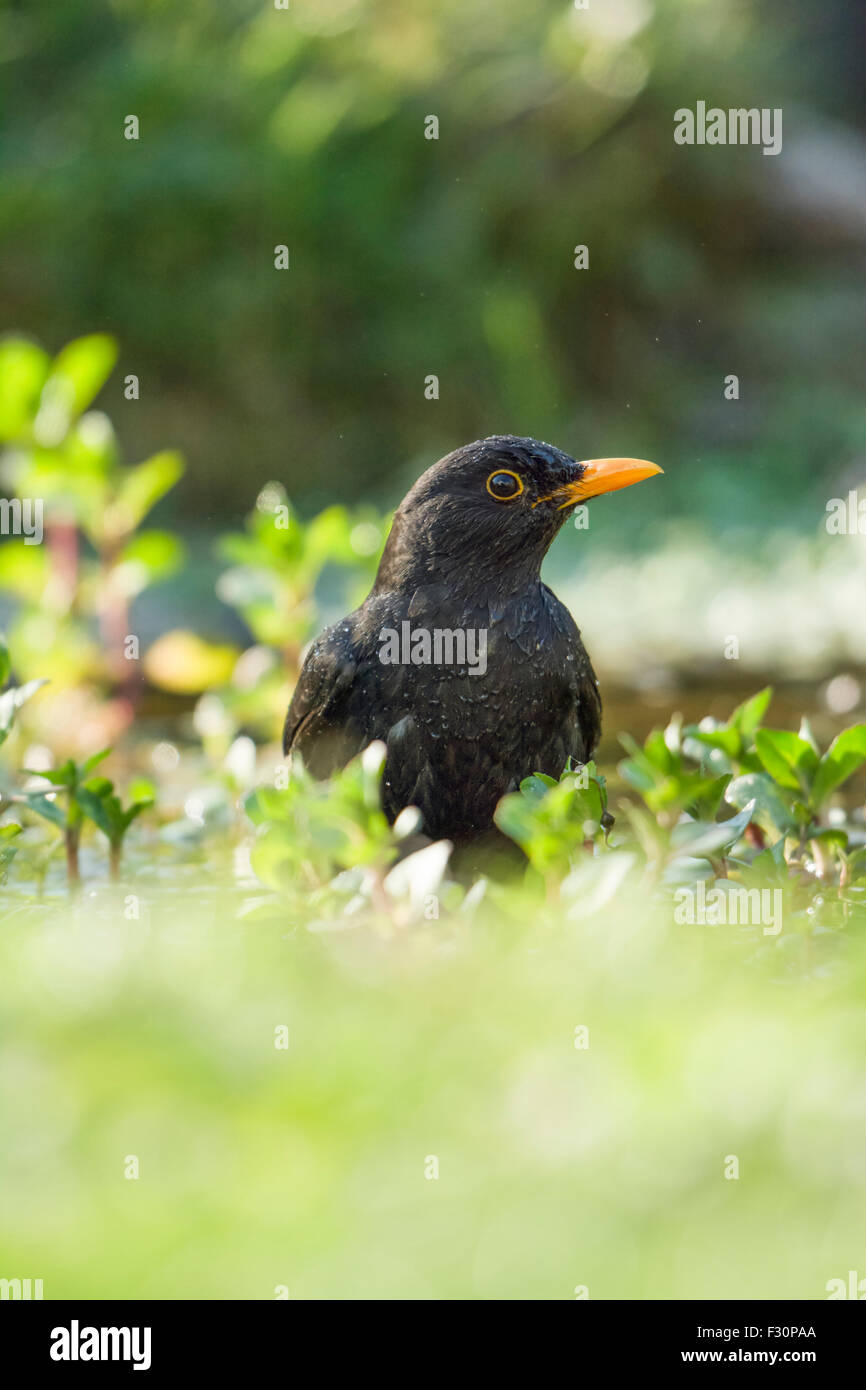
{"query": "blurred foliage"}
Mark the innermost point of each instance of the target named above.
(309, 829)
(724, 802)
(74, 577)
(305, 127)
(281, 573)
(276, 562)
(72, 608)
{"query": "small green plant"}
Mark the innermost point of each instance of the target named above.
(278, 568)
(553, 821)
(93, 798)
(103, 806)
(68, 782)
(308, 830)
(276, 562)
(779, 786)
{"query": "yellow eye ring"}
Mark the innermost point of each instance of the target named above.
(504, 473)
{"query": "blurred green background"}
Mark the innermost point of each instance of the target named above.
(410, 256)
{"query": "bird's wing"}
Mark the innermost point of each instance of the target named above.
(588, 713)
(585, 731)
(317, 724)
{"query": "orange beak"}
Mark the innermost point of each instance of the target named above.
(600, 476)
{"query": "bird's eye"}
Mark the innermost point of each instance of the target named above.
(504, 485)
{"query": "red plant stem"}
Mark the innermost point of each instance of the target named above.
(72, 871)
(63, 553)
(114, 630)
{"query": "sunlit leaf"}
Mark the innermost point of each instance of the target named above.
(142, 487)
(787, 757)
(23, 369)
(845, 755)
(83, 367)
(771, 809)
(747, 716)
(699, 838)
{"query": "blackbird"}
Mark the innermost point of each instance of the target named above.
(464, 664)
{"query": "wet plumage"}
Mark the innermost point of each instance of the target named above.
(464, 553)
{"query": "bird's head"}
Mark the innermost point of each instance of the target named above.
(491, 509)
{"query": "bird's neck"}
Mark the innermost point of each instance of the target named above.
(407, 566)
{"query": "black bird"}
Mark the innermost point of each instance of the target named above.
(463, 559)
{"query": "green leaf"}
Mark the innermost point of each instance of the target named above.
(49, 810)
(23, 369)
(66, 775)
(637, 775)
(747, 716)
(768, 866)
(7, 850)
(91, 452)
(846, 753)
(787, 757)
(95, 758)
(726, 740)
(96, 808)
(771, 812)
(143, 486)
(706, 802)
(99, 786)
(82, 369)
(770, 809)
(142, 789)
(658, 753)
(23, 569)
(537, 785)
(808, 736)
(706, 838)
(135, 810)
(11, 701)
(157, 554)
(830, 839)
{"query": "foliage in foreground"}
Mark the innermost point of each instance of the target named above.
(522, 1099)
(733, 806)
